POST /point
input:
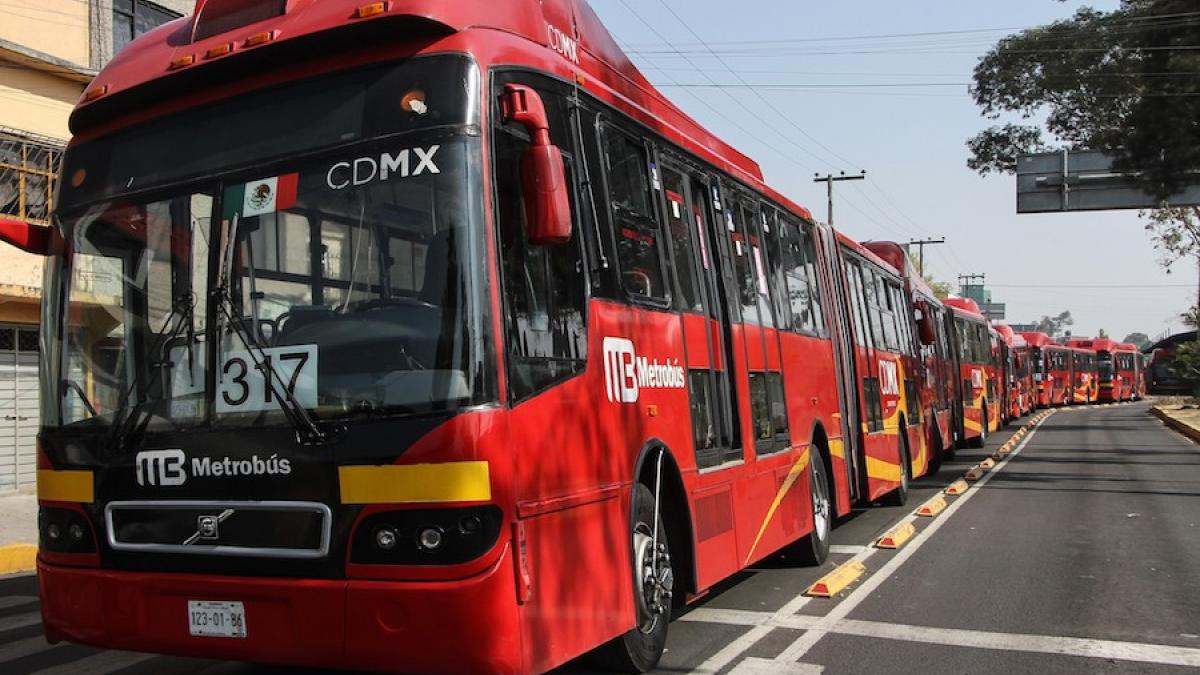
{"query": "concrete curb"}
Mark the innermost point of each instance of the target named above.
(1182, 427)
(16, 558)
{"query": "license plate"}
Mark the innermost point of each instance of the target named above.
(216, 619)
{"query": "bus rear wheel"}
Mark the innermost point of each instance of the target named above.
(814, 549)
(639, 650)
(981, 440)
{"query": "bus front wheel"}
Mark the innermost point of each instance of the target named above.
(639, 650)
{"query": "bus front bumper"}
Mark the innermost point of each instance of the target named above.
(467, 626)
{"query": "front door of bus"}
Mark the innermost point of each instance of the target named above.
(708, 338)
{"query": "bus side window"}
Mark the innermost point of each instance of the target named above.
(544, 287)
(773, 232)
(639, 253)
(796, 281)
(810, 267)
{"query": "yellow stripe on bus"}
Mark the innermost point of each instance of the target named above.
(877, 468)
(797, 469)
(415, 483)
(66, 486)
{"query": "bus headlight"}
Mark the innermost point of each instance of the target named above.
(64, 531)
(430, 538)
(449, 536)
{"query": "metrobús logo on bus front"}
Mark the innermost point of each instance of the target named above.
(168, 468)
(626, 374)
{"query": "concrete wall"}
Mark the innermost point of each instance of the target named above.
(55, 27)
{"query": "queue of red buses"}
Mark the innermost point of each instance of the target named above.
(1021, 390)
(371, 326)
(1116, 368)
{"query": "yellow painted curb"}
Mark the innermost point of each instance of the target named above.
(931, 508)
(896, 537)
(975, 473)
(957, 487)
(987, 464)
(836, 581)
(18, 558)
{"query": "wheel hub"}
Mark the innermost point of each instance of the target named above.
(653, 563)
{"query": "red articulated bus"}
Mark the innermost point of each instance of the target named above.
(1051, 369)
(428, 336)
(1139, 371)
(1018, 374)
(978, 381)
(937, 369)
(1116, 368)
(1085, 376)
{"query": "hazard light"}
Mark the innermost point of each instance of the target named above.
(369, 10)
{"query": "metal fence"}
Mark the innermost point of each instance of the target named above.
(28, 172)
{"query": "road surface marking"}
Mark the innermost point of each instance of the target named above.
(20, 621)
(805, 642)
(757, 666)
(21, 648)
(16, 601)
(847, 549)
(100, 664)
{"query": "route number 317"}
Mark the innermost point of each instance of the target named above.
(244, 379)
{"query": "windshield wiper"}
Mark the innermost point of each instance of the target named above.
(123, 425)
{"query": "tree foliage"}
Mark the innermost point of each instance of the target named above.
(1054, 326)
(1118, 81)
(1186, 364)
(941, 289)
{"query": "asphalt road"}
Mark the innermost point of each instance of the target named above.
(1079, 553)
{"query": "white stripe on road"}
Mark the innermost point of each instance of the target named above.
(805, 642)
(100, 664)
(16, 600)
(847, 549)
(756, 666)
(12, 651)
(20, 621)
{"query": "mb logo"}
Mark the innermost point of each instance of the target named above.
(620, 370)
(161, 467)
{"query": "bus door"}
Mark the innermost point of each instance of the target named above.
(861, 284)
(836, 288)
(756, 337)
(708, 340)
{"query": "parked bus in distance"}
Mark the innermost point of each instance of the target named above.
(1085, 377)
(937, 376)
(1161, 379)
(1115, 368)
(1051, 369)
(428, 336)
(1018, 374)
(978, 374)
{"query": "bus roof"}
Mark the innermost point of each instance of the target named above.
(1037, 339)
(217, 45)
(965, 307)
(1096, 345)
(1006, 332)
(867, 253)
(895, 255)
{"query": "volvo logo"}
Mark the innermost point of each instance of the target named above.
(208, 527)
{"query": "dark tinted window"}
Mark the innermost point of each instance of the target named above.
(683, 228)
(635, 227)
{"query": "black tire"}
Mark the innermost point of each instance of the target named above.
(814, 549)
(639, 650)
(899, 496)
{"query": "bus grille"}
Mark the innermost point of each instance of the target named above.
(220, 528)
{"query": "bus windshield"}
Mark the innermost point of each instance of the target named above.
(353, 286)
(1105, 362)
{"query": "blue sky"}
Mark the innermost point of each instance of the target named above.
(909, 139)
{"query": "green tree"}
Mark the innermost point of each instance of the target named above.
(1186, 364)
(941, 289)
(1141, 340)
(1120, 81)
(1055, 325)
(1103, 334)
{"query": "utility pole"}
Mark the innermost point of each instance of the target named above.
(829, 180)
(921, 244)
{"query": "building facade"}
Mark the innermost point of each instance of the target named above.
(49, 51)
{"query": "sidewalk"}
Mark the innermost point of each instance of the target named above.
(1185, 420)
(18, 532)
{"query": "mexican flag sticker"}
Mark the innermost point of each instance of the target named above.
(265, 195)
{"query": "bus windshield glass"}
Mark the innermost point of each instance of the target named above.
(1105, 362)
(345, 282)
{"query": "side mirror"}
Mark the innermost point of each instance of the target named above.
(543, 177)
(925, 328)
(31, 238)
